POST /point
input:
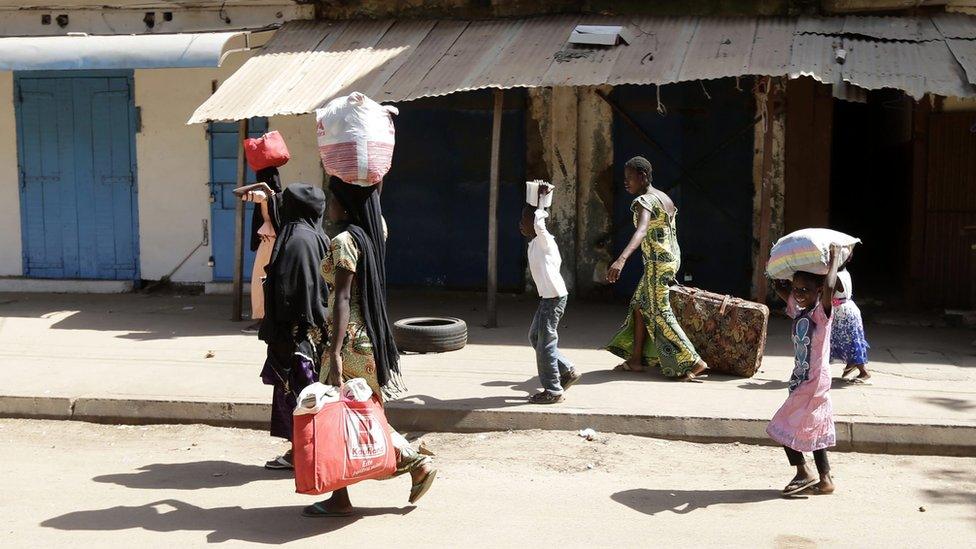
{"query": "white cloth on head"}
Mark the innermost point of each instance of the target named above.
(845, 278)
(544, 260)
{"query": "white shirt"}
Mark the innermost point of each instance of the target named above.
(544, 260)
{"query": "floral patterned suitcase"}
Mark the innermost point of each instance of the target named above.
(729, 333)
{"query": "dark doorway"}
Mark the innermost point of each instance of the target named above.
(871, 189)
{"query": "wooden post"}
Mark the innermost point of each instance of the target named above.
(496, 130)
(759, 284)
(239, 211)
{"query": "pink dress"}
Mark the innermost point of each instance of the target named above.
(805, 422)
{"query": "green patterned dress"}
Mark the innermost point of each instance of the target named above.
(357, 349)
(667, 345)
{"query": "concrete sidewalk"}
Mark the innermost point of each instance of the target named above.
(144, 359)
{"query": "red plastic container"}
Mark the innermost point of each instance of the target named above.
(345, 443)
(267, 151)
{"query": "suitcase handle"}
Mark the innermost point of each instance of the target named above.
(692, 291)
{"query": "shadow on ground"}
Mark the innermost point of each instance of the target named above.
(682, 502)
(269, 525)
(193, 476)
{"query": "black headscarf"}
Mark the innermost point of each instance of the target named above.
(271, 177)
(294, 291)
(365, 225)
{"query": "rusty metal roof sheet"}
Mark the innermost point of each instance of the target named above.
(308, 63)
(912, 29)
(955, 25)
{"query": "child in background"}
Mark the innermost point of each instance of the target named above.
(555, 372)
(805, 422)
(847, 342)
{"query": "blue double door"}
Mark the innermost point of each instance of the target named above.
(77, 175)
(224, 150)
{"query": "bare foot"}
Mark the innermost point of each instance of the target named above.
(825, 486)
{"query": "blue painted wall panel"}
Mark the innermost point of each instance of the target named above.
(76, 148)
(224, 148)
(435, 198)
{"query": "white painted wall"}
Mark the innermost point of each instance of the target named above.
(299, 134)
(11, 260)
(173, 162)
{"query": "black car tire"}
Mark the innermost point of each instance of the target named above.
(430, 334)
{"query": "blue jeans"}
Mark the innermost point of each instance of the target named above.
(544, 337)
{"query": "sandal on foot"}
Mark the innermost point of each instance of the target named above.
(545, 397)
(317, 510)
(847, 371)
(418, 489)
(626, 367)
(797, 486)
(569, 379)
(691, 378)
(279, 463)
(861, 380)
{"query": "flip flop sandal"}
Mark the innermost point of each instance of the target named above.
(859, 381)
(418, 490)
(847, 371)
(317, 510)
(624, 367)
(795, 488)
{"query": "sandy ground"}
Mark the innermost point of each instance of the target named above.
(70, 484)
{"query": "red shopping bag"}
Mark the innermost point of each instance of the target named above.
(267, 151)
(346, 442)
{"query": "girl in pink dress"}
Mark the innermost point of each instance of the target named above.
(805, 422)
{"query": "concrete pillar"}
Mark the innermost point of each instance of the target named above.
(594, 212)
(570, 144)
(551, 155)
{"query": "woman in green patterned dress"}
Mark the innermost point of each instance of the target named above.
(650, 315)
(360, 342)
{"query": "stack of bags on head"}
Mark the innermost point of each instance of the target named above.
(808, 250)
(356, 139)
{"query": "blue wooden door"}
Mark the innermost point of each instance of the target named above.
(224, 149)
(77, 162)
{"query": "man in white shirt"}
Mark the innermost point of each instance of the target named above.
(555, 372)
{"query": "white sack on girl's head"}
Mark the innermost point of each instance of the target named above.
(808, 250)
(356, 138)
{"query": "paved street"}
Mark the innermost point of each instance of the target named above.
(73, 484)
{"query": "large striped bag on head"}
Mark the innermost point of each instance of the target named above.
(808, 250)
(356, 138)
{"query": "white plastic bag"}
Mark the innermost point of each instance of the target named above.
(314, 397)
(808, 250)
(357, 390)
(356, 138)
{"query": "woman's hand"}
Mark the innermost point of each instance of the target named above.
(267, 232)
(613, 273)
(334, 377)
(255, 196)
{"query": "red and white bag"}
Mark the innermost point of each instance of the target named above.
(344, 443)
(267, 151)
(356, 138)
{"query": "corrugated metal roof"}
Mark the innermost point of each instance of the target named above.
(955, 25)
(965, 52)
(308, 62)
(912, 29)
